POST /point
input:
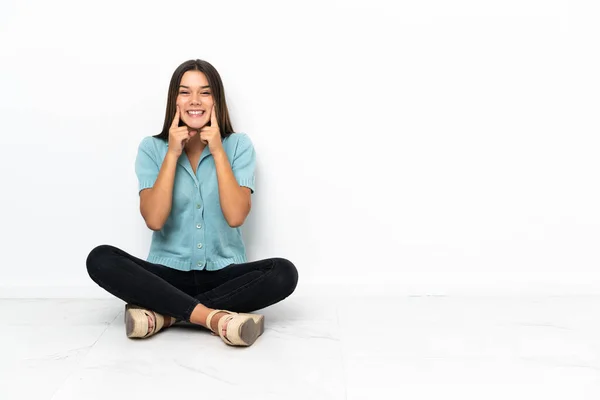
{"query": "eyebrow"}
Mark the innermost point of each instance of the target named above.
(201, 87)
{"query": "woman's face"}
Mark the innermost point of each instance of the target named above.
(194, 99)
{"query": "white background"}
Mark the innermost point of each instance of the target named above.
(421, 147)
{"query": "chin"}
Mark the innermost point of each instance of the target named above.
(195, 124)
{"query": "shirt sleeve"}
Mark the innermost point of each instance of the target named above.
(244, 162)
(146, 167)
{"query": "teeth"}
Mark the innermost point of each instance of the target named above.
(196, 112)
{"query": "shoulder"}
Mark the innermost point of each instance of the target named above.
(151, 143)
(237, 142)
(152, 148)
(236, 138)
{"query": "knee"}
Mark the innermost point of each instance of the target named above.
(96, 259)
(287, 276)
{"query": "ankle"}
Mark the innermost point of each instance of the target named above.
(200, 314)
(214, 322)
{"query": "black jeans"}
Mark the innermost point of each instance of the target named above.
(238, 287)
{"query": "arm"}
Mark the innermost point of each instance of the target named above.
(156, 186)
(235, 199)
(155, 202)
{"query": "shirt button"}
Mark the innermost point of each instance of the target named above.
(199, 245)
(200, 263)
(199, 226)
(198, 205)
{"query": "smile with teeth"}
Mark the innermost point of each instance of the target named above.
(195, 113)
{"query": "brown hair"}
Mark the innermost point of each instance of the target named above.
(217, 90)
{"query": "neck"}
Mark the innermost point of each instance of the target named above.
(194, 145)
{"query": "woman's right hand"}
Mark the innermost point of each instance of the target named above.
(179, 135)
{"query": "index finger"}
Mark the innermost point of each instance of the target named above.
(213, 117)
(175, 122)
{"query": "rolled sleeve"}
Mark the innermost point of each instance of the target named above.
(244, 162)
(146, 167)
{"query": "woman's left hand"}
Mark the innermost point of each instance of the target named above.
(212, 134)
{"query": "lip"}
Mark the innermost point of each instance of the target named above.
(195, 116)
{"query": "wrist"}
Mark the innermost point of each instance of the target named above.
(172, 154)
(219, 152)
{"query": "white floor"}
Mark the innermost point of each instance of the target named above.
(314, 347)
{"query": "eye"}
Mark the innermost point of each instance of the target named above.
(206, 93)
(183, 92)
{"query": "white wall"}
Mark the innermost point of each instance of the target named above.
(445, 147)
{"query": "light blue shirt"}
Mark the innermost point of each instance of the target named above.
(196, 235)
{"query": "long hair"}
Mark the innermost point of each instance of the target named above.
(217, 90)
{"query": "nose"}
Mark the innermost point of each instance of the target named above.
(195, 98)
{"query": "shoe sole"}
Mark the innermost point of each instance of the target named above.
(136, 322)
(250, 330)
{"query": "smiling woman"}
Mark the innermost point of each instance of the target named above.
(196, 178)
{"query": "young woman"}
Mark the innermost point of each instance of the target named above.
(195, 183)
